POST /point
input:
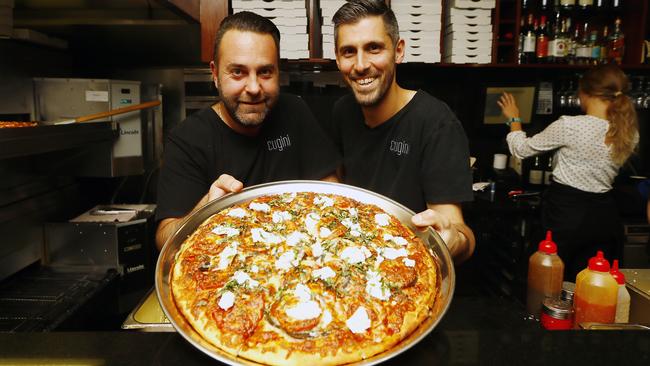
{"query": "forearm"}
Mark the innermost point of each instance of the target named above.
(466, 243)
(167, 227)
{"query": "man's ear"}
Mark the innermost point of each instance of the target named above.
(400, 51)
(336, 57)
(215, 73)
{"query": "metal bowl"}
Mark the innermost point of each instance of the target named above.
(446, 275)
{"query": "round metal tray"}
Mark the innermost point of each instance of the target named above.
(446, 274)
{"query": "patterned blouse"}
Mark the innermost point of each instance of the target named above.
(582, 159)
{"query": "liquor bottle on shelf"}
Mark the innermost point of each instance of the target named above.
(603, 46)
(548, 172)
(572, 46)
(586, 4)
(553, 31)
(520, 41)
(560, 44)
(616, 42)
(583, 50)
(595, 48)
(529, 41)
(536, 172)
(541, 45)
(567, 5)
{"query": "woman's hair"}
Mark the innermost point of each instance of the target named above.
(609, 83)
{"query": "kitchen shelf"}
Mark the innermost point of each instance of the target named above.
(24, 141)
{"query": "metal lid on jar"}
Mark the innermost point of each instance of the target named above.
(558, 308)
(568, 290)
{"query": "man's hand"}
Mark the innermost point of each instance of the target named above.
(223, 185)
(447, 220)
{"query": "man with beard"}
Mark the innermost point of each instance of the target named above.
(404, 144)
(253, 135)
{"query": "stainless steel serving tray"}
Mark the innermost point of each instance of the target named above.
(446, 275)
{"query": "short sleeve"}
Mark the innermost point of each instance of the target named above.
(182, 181)
(446, 174)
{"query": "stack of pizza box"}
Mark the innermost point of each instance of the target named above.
(420, 22)
(328, 8)
(6, 18)
(468, 31)
(290, 16)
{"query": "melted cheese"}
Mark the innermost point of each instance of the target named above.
(295, 238)
(353, 212)
(225, 230)
(374, 286)
(306, 307)
(326, 319)
(382, 219)
(263, 207)
(281, 216)
(304, 310)
(395, 239)
(259, 235)
(243, 278)
(289, 198)
(408, 262)
(227, 300)
(354, 227)
(354, 255)
(285, 260)
(359, 322)
(311, 221)
(324, 232)
(323, 273)
(302, 292)
(391, 253)
(317, 249)
(226, 255)
(237, 212)
(324, 201)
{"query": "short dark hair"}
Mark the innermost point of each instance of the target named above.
(355, 10)
(246, 21)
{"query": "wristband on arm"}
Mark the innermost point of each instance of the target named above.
(512, 120)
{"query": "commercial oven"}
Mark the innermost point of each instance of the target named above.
(62, 98)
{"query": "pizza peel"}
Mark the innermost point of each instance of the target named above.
(95, 116)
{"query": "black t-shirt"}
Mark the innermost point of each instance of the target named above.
(291, 145)
(418, 156)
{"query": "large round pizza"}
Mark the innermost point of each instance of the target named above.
(304, 278)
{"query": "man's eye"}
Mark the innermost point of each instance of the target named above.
(266, 73)
(374, 48)
(236, 72)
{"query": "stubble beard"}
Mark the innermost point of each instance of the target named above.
(375, 96)
(245, 119)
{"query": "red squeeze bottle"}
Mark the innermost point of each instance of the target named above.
(545, 275)
(596, 293)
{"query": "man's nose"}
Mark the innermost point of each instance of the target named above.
(361, 63)
(253, 85)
